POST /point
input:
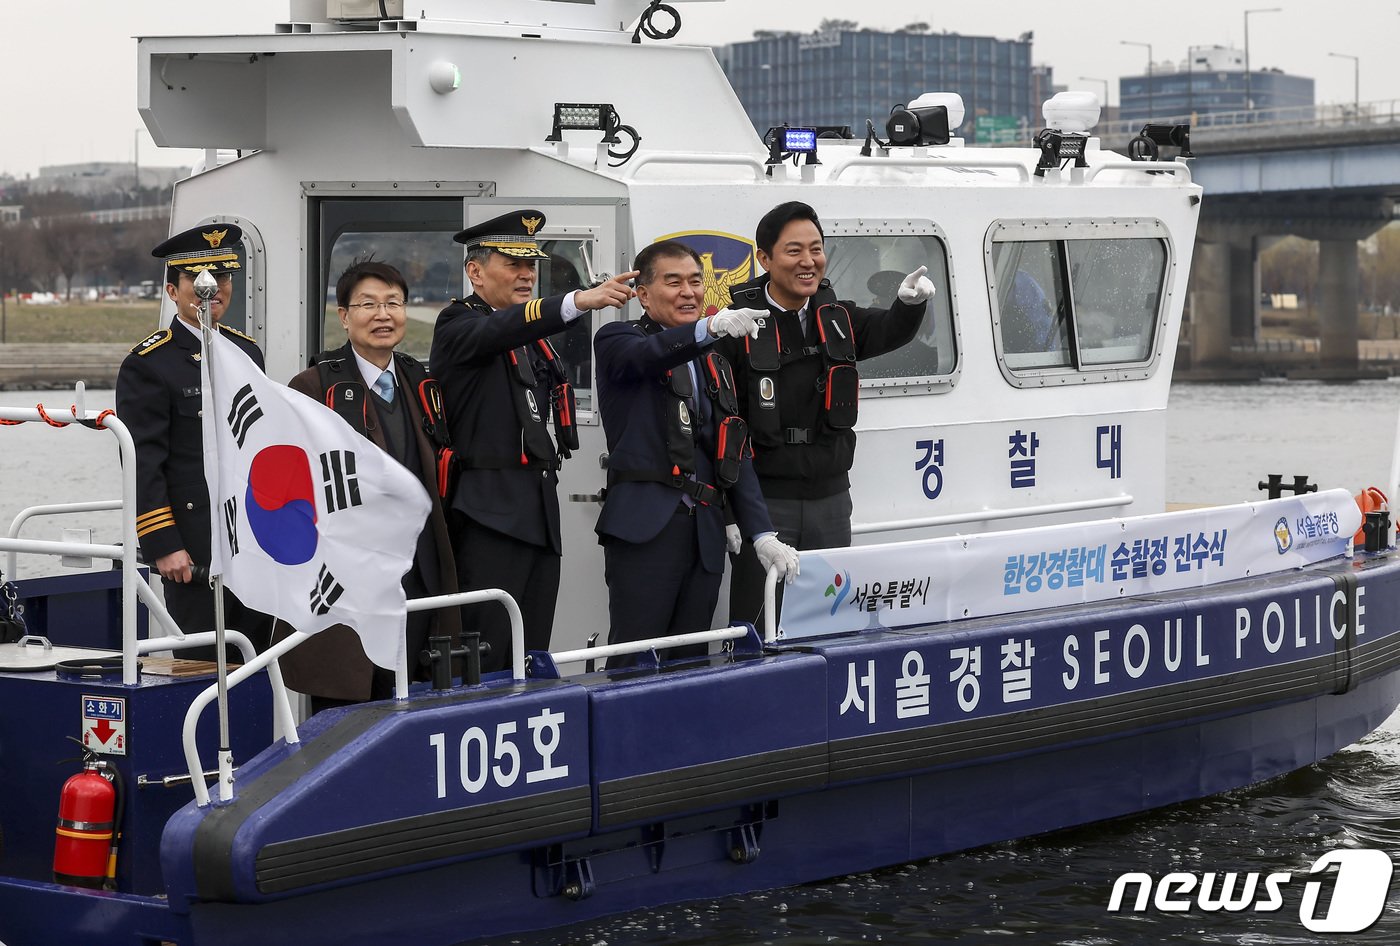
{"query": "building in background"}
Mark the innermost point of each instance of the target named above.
(99, 178)
(1210, 80)
(844, 75)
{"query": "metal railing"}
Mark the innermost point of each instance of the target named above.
(268, 659)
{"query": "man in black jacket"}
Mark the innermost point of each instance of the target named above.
(499, 375)
(798, 387)
(158, 398)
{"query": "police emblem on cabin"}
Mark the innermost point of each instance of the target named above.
(214, 237)
(1282, 537)
(531, 224)
(726, 261)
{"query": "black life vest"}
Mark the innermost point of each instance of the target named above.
(682, 429)
(347, 395)
(838, 385)
(537, 451)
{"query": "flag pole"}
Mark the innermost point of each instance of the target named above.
(206, 287)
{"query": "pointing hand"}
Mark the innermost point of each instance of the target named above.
(612, 294)
(736, 323)
(916, 287)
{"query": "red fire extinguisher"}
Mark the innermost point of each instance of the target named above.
(84, 851)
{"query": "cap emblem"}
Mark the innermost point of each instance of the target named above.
(531, 224)
(214, 237)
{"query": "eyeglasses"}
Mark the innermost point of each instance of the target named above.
(370, 308)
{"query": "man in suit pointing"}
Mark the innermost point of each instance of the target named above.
(676, 454)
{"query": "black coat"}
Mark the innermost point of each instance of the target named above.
(158, 398)
(332, 663)
(480, 390)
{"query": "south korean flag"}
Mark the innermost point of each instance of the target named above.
(312, 522)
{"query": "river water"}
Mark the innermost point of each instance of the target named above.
(1054, 889)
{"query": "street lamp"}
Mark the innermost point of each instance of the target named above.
(1248, 92)
(1106, 106)
(1128, 42)
(1356, 79)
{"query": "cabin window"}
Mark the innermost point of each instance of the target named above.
(567, 269)
(1076, 301)
(867, 269)
(431, 265)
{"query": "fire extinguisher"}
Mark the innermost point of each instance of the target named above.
(89, 812)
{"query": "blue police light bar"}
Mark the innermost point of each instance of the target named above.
(800, 140)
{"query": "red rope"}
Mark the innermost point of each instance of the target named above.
(72, 409)
(44, 416)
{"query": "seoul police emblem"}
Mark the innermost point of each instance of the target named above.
(726, 261)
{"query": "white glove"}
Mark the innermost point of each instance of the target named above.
(916, 287)
(733, 539)
(737, 322)
(772, 552)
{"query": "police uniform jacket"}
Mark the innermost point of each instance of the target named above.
(468, 357)
(632, 359)
(332, 663)
(820, 467)
(158, 398)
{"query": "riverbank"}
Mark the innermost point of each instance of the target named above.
(60, 365)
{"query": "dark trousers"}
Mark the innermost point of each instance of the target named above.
(191, 604)
(659, 589)
(802, 523)
(530, 573)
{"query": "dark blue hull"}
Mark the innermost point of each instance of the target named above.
(524, 806)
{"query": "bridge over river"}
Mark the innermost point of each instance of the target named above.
(1324, 173)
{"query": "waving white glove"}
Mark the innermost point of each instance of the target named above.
(737, 322)
(733, 539)
(772, 552)
(916, 287)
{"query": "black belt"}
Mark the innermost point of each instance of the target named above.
(702, 493)
(683, 510)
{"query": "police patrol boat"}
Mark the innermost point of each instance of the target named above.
(1022, 639)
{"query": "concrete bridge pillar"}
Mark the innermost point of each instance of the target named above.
(1244, 289)
(1210, 304)
(1338, 279)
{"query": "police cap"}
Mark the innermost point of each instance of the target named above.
(511, 234)
(212, 247)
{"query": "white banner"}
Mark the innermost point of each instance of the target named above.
(936, 580)
(311, 522)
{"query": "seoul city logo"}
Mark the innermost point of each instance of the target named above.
(1359, 885)
(839, 588)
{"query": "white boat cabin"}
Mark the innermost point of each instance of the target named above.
(1036, 392)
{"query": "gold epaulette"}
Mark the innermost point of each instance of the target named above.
(234, 331)
(152, 342)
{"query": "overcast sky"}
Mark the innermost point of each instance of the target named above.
(68, 67)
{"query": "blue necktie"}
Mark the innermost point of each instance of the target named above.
(384, 386)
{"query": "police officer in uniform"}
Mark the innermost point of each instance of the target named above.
(676, 455)
(499, 376)
(388, 397)
(799, 386)
(159, 400)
